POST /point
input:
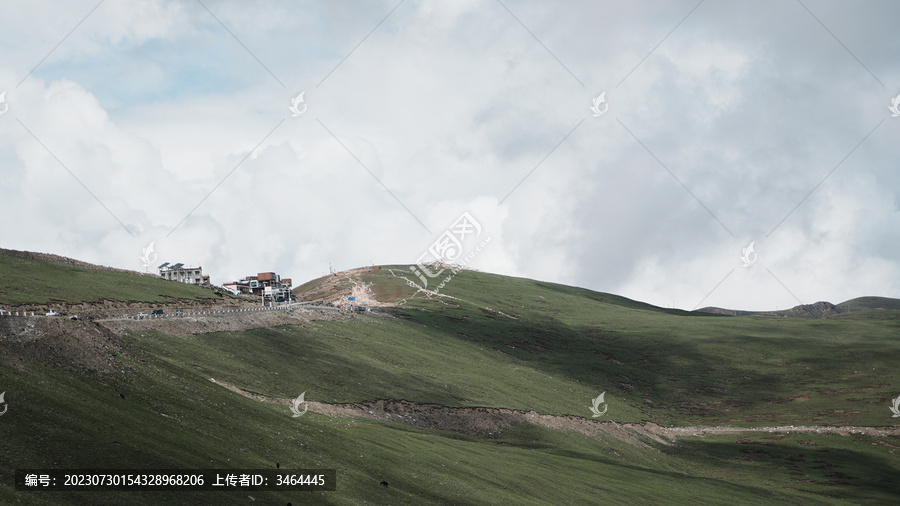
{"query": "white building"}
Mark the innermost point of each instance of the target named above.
(182, 274)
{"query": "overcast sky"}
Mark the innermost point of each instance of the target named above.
(723, 123)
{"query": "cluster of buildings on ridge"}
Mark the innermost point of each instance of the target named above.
(267, 285)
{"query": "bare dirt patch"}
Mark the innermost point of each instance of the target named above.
(333, 288)
(59, 342)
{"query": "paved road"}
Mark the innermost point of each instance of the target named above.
(280, 307)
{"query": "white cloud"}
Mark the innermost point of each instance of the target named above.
(741, 111)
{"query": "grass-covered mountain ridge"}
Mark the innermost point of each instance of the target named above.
(481, 393)
(31, 280)
(39, 281)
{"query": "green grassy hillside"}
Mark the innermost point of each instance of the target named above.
(499, 342)
(41, 281)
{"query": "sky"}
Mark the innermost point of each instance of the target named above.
(682, 153)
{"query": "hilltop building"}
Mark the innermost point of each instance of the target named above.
(182, 274)
(267, 284)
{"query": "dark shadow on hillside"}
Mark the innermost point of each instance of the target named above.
(251, 359)
(854, 476)
(673, 377)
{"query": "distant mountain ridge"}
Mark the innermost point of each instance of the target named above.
(821, 309)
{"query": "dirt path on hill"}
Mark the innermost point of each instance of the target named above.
(486, 421)
(701, 430)
(478, 421)
(340, 285)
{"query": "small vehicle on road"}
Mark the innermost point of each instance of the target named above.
(158, 312)
(179, 312)
(52, 312)
(141, 316)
